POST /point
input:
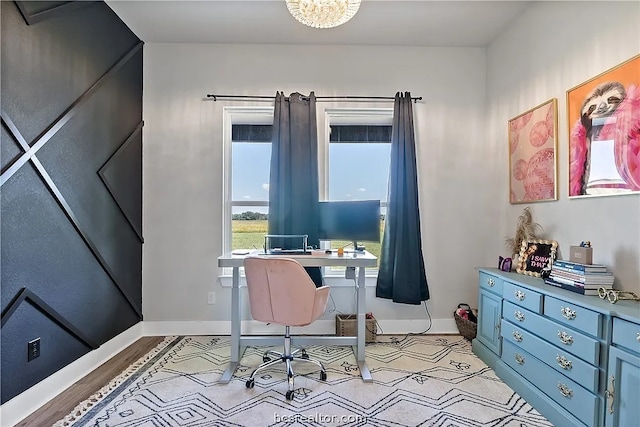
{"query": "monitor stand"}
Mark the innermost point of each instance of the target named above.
(357, 248)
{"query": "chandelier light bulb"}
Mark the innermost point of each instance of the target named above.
(323, 13)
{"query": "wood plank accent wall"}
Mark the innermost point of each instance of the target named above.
(71, 184)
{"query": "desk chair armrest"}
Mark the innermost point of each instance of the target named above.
(320, 302)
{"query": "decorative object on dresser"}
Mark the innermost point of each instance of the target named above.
(535, 256)
(581, 278)
(526, 229)
(614, 296)
(573, 358)
(533, 143)
(582, 254)
(505, 264)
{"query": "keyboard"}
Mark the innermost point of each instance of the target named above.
(288, 252)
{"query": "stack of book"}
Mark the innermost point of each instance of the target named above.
(584, 279)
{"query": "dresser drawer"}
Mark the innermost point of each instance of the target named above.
(573, 315)
(626, 334)
(523, 297)
(567, 364)
(567, 339)
(575, 399)
(491, 283)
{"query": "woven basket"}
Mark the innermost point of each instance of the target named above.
(467, 328)
(347, 326)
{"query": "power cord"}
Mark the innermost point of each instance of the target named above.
(419, 333)
(335, 307)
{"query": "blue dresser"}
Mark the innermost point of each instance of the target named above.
(574, 358)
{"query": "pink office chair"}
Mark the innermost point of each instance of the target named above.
(281, 292)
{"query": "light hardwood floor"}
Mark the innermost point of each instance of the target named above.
(64, 403)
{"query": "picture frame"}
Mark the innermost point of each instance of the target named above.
(533, 146)
(603, 117)
(535, 256)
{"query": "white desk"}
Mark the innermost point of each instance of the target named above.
(349, 259)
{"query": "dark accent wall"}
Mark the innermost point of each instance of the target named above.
(70, 184)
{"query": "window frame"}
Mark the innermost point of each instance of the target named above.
(346, 116)
(254, 115)
(264, 115)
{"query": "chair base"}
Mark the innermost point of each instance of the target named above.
(286, 357)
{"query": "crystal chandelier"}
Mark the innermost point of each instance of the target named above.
(323, 13)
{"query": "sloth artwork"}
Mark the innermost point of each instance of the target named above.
(604, 146)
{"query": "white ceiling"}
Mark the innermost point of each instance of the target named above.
(378, 22)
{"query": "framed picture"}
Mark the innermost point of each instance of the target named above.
(533, 143)
(535, 256)
(604, 133)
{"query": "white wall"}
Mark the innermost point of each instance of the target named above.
(468, 97)
(551, 48)
(183, 168)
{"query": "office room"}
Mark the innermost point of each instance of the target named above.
(116, 201)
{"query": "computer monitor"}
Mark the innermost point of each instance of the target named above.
(356, 221)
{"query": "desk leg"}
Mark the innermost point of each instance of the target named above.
(362, 305)
(235, 327)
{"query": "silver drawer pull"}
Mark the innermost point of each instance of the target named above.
(568, 313)
(565, 391)
(491, 282)
(610, 393)
(517, 336)
(563, 362)
(520, 295)
(565, 338)
(519, 315)
(519, 359)
(638, 337)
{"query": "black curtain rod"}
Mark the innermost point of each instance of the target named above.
(319, 98)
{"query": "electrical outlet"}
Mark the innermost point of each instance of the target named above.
(33, 349)
(350, 273)
(211, 298)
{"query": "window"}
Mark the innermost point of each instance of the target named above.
(247, 136)
(354, 156)
(357, 159)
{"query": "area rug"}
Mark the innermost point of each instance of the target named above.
(418, 380)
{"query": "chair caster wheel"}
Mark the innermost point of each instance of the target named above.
(289, 395)
(266, 359)
(304, 355)
(323, 376)
(250, 383)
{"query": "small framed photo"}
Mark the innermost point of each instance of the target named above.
(535, 256)
(533, 143)
(604, 133)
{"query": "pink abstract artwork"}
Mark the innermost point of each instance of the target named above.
(532, 154)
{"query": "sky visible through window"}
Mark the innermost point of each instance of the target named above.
(250, 173)
(357, 171)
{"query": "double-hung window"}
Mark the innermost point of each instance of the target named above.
(354, 155)
(247, 145)
(357, 157)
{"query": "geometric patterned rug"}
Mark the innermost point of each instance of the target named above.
(418, 380)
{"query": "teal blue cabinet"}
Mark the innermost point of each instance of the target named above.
(489, 316)
(574, 358)
(488, 342)
(623, 376)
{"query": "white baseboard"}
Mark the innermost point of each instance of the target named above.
(35, 397)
